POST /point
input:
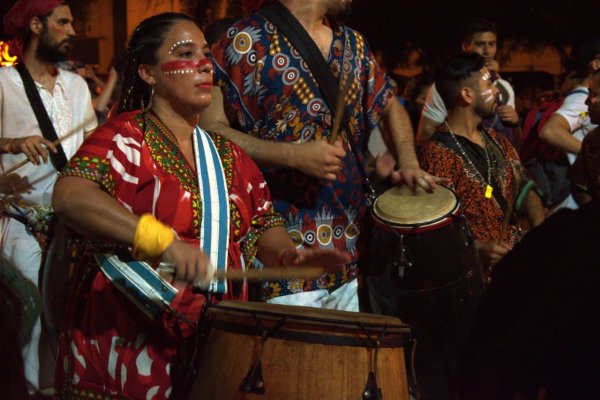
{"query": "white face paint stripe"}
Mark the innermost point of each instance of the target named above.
(179, 43)
(487, 76)
(488, 95)
(179, 72)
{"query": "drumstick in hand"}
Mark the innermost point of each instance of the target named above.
(345, 85)
(265, 274)
(509, 211)
(55, 143)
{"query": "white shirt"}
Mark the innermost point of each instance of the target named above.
(69, 107)
(575, 111)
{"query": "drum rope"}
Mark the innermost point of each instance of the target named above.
(413, 371)
(372, 390)
(253, 382)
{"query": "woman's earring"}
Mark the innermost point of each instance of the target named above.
(149, 106)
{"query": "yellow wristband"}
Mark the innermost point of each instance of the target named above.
(151, 238)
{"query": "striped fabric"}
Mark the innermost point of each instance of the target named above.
(214, 233)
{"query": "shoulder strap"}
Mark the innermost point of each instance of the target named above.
(279, 15)
(59, 160)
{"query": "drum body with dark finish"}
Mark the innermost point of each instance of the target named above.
(309, 353)
(423, 267)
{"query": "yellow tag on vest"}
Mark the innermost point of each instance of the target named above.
(488, 192)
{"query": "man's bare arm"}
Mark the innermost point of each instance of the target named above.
(398, 135)
(558, 133)
(315, 158)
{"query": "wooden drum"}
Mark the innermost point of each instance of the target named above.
(271, 351)
(423, 267)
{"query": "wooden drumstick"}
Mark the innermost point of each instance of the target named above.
(509, 212)
(166, 271)
(55, 143)
(345, 85)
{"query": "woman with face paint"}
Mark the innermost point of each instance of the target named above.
(151, 189)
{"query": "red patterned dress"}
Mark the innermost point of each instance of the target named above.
(484, 215)
(107, 347)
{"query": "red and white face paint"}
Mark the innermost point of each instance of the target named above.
(181, 67)
(179, 43)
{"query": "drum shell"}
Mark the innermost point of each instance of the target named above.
(437, 295)
(295, 368)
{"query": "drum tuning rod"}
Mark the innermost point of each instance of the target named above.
(167, 271)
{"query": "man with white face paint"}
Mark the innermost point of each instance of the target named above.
(479, 36)
(482, 165)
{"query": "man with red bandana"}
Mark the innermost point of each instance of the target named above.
(42, 35)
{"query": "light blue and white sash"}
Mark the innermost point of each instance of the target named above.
(214, 230)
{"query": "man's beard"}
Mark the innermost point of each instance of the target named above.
(53, 52)
(342, 16)
(484, 110)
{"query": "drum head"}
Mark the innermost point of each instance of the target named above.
(402, 205)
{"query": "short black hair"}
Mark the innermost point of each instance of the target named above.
(584, 53)
(476, 25)
(452, 73)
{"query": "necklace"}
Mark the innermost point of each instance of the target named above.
(488, 187)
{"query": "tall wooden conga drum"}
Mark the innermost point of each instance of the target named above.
(271, 351)
(423, 267)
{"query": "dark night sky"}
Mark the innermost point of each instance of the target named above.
(432, 25)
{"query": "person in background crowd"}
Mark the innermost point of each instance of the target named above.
(567, 127)
(585, 173)
(479, 36)
(42, 34)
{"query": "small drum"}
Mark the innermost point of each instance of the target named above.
(423, 267)
(271, 351)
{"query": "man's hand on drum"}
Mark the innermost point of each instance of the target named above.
(330, 259)
(413, 174)
(491, 252)
(190, 264)
(34, 147)
(318, 158)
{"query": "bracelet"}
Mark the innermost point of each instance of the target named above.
(522, 196)
(151, 238)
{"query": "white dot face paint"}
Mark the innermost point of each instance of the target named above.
(177, 44)
(182, 67)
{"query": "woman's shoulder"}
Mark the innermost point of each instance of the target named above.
(124, 124)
